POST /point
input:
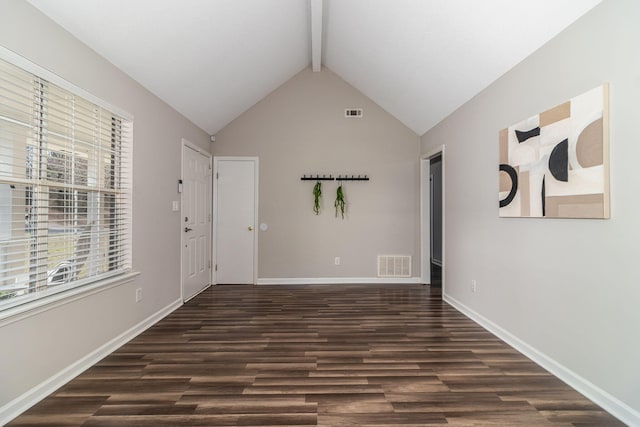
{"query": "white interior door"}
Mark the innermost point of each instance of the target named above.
(196, 221)
(235, 219)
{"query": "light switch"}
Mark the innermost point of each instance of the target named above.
(176, 206)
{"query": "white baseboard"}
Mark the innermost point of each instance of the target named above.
(20, 404)
(339, 280)
(611, 404)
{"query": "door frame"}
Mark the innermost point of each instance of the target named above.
(425, 214)
(214, 243)
(186, 144)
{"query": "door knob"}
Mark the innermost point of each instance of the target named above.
(187, 229)
(250, 228)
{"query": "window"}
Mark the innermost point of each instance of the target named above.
(64, 188)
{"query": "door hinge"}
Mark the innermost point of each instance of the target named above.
(216, 267)
(217, 175)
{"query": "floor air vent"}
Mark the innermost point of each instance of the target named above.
(394, 265)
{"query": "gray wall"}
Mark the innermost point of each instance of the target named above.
(300, 129)
(43, 345)
(567, 289)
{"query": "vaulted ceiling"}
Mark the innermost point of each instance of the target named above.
(212, 60)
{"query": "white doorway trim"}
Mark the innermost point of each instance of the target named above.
(256, 161)
(425, 214)
(184, 145)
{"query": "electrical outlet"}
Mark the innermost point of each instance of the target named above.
(337, 260)
(474, 286)
(138, 294)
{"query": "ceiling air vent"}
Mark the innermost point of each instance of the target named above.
(353, 112)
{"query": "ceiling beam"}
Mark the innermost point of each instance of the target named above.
(316, 35)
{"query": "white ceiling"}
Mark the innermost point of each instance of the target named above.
(213, 59)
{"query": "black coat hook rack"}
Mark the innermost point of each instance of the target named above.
(352, 178)
(317, 178)
(331, 178)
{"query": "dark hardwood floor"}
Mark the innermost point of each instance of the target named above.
(328, 355)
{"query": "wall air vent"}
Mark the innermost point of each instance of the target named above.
(394, 265)
(353, 112)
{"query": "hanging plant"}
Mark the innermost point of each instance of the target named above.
(317, 192)
(339, 203)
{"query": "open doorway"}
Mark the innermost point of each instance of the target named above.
(436, 220)
(432, 216)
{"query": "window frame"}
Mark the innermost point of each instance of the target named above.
(47, 299)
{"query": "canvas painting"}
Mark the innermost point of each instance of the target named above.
(555, 164)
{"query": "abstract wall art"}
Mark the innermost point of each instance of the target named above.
(556, 163)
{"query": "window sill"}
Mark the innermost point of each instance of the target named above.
(32, 308)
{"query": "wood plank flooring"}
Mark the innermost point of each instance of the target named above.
(326, 355)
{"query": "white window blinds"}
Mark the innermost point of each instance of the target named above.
(65, 194)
